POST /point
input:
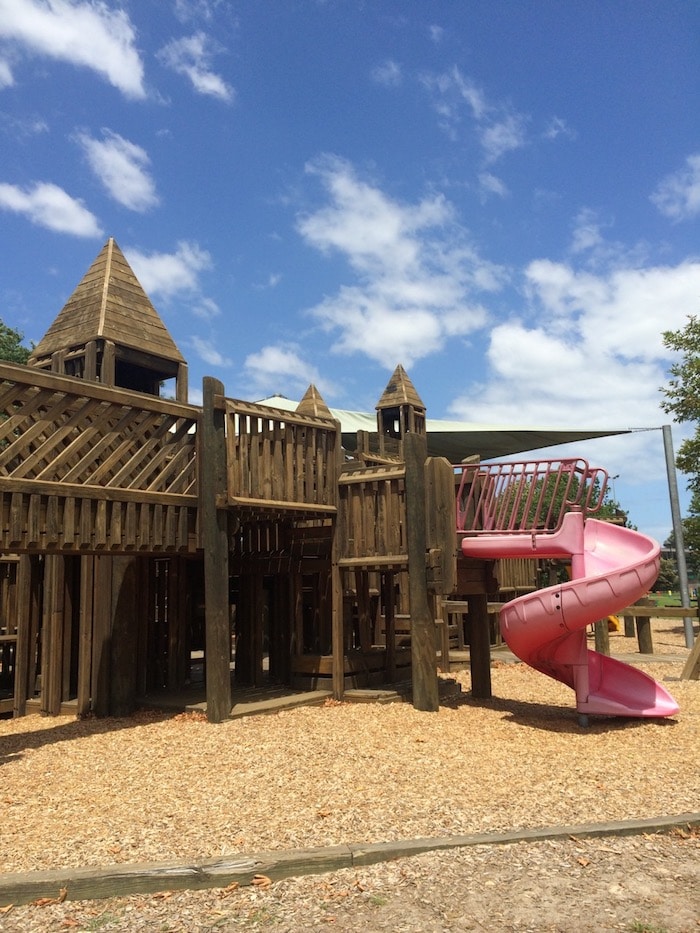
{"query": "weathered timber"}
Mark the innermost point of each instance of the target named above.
(441, 521)
(424, 669)
(479, 646)
(691, 669)
(214, 540)
(152, 877)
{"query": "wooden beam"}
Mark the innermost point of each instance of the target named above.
(214, 540)
(479, 647)
(423, 659)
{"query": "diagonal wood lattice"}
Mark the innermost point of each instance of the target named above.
(86, 466)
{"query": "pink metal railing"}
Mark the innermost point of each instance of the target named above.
(526, 495)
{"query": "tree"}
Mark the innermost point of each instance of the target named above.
(11, 348)
(682, 396)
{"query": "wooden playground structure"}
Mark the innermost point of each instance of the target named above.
(146, 541)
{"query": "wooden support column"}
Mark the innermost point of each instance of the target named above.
(28, 618)
(602, 636)
(101, 636)
(87, 592)
(423, 654)
(214, 539)
(126, 617)
(52, 635)
(479, 646)
(336, 582)
(390, 625)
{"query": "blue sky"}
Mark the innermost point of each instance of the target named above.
(502, 196)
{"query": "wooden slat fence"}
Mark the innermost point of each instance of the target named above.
(84, 467)
(280, 460)
(372, 517)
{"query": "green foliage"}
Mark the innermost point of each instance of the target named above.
(11, 348)
(668, 576)
(682, 396)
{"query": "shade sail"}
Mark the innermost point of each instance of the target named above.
(456, 440)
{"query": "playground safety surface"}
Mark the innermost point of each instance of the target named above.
(163, 787)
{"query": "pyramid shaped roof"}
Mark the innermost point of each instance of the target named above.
(400, 391)
(313, 404)
(109, 304)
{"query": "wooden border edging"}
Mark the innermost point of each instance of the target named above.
(151, 877)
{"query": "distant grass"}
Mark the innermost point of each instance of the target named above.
(672, 599)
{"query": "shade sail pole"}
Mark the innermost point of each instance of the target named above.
(678, 533)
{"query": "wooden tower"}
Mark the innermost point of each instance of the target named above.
(400, 411)
(108, 331)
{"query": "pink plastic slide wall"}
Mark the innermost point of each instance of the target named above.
(612, 567)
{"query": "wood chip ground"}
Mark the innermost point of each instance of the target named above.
(156, 787)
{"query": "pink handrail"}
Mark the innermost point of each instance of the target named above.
(526, 495)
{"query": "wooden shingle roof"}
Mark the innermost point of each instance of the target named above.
(313, 404)
(109, 304)
(400, 391)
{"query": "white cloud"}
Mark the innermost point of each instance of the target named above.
(122, 167)
(282, 369)
(499, 129)
(501, 136)
(208, 351)
(558, 127)
(491, 184)
(49, 206)
(416, 276)
(586, 233)
(6, 76)
(589, 352)
(191, 56)
(678, 195)
(452, 90)
(188, 10)
(170, 274)
(206, 308)
(86, 34)
(388, 73)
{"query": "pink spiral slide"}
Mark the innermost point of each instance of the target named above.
(611, 567)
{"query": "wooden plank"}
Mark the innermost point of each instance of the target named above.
(423, 666)
(34, 522)
(214, 540)
(100, 667)
(17, 524)
(80, 388)
(479, 647)
(27, 568)
(36, 487)
(87, 593)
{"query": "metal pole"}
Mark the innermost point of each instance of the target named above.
(678, 533)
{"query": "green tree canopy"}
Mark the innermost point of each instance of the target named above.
(11, 348)
(682, 396)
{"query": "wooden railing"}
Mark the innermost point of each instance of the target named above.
(87, 467)
(280, 459)
(372, 517)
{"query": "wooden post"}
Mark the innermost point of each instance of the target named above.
(480, 646)
(337, 604)
(28, 617)
(644, 629)
(214, 538)
(602, 636)
(390, 625)
(87, 592)
(124, 627)
(101, 636)
(691, 669)
(423, 654)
